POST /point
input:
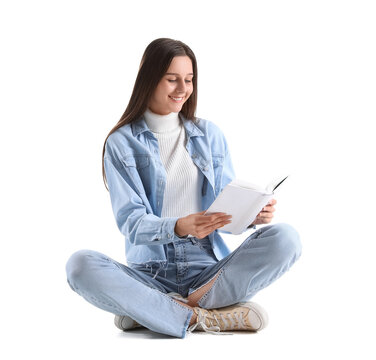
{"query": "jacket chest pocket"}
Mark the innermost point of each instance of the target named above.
(138, 169)
(218, 161)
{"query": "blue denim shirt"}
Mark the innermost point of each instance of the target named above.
(136, 180)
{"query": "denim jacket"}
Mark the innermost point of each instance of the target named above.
(136, 180)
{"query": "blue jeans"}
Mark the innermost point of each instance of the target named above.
(140, 291)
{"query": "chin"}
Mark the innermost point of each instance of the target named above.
(177, 109)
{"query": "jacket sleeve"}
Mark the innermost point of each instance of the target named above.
(133, 221)
(228, 173)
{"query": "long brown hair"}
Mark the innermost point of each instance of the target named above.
(154, 64)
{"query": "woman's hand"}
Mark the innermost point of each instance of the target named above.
(200, 225)
(266, 214)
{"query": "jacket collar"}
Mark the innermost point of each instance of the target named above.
(139, 126)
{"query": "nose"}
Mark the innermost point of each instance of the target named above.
(181, 87)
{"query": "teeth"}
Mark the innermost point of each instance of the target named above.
(177, 99)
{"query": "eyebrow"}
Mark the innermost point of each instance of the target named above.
(177, 74)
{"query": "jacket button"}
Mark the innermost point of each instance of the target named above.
(205, 168)
(168, 235)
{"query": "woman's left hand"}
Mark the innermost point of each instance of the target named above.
(266, 214)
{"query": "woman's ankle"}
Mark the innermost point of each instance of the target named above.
(193, 319)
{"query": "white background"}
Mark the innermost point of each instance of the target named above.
(292, 86)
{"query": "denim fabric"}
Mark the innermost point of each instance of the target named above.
(141, 291)
(136, 180)
(188, 258)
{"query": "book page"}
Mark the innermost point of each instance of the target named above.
(247, 185)
(243, 204)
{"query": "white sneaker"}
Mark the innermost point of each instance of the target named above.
(247, 316)
(124, 322)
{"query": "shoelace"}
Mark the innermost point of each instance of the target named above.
(201, 321)
(237, 319)
(215, 329)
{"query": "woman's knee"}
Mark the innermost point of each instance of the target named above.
(78, 266)
(284, 241)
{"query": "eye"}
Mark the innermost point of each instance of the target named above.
(171, 80)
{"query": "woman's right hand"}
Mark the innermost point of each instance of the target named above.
(200, 225)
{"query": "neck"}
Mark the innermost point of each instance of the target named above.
(161, 123)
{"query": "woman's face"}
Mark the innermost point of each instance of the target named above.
(174, 88)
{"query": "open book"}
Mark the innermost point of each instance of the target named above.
(243, 201)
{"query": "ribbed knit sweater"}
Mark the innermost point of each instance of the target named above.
(182, 194)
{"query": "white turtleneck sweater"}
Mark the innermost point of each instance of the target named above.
(182, 194)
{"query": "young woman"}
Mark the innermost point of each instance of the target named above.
(164, 167)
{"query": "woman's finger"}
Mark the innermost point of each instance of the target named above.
(210, 219)
(265, 216)
(212, 226)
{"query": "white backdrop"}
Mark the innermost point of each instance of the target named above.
(292, 86)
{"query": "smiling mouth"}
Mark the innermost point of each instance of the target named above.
(177, 99)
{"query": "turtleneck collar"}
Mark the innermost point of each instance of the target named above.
(161, 123)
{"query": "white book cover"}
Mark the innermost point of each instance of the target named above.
(242, 200)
